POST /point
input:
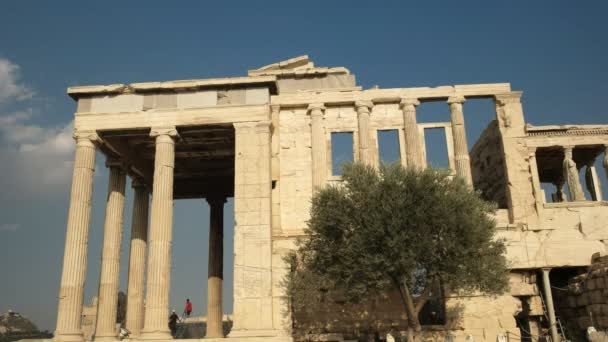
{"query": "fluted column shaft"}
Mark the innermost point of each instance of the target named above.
(161, 226)
(571, 175)
(363, 115)
(110, 255)
(215, 278)
(110, 259)
(319, 159)
(137, 259)
(413, 145)
(461, 147)
(69, 314)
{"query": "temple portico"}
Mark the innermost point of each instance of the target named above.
(266, 141)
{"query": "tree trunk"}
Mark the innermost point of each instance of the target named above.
(414, 327)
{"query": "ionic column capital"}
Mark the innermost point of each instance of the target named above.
(456, 99)
(315, 109)
(506, 98)
(86, 138)
(263, 126)
(364, 106)
(214, 200)
(138, 183)
(274, 108)
(117, 163)
(408, 103)
(170, 131)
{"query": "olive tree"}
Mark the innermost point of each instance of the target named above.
(397, 228)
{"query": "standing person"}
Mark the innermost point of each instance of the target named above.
(173, 323)
(188, 309)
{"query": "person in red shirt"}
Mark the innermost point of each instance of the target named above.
(188, 309)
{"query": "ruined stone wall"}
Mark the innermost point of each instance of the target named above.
(487, 166)
(586, 302)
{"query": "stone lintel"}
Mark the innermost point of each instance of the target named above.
(393, 95)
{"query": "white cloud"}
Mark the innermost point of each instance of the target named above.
(9, 227)
(10, 88)
(35, 160)
(13, 118)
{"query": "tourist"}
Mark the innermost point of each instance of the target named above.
(173, 323)
(188, 309)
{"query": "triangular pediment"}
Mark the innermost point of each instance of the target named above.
(298, 65)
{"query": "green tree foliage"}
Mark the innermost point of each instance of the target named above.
(397, 228)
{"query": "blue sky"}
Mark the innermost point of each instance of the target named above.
(555, 51)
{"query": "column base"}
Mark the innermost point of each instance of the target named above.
(155, 335)
(105, 338)
(253, 333)
(69, 337)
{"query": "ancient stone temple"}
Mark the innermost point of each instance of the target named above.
(266, 140)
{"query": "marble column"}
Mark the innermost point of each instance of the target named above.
(592, 181)
(215, 277)
(161, 232)
(110, 256)
(571, 176)
(551, 310)
(137, 258)
(413, 145)
(69, 313)
(461, 148)
(363, 113)
(319, 159)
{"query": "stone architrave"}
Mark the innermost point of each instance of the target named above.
(215, 278)
(319, 158)
(461, 147)
(161, 232)
(110, 257)
(413, 144)
(71, 293)
(571, 176)
(363, 116)
(137, 258)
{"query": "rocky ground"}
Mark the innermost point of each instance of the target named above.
(14, 326)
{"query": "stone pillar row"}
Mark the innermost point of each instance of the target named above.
(413, 142)
(152, 324)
